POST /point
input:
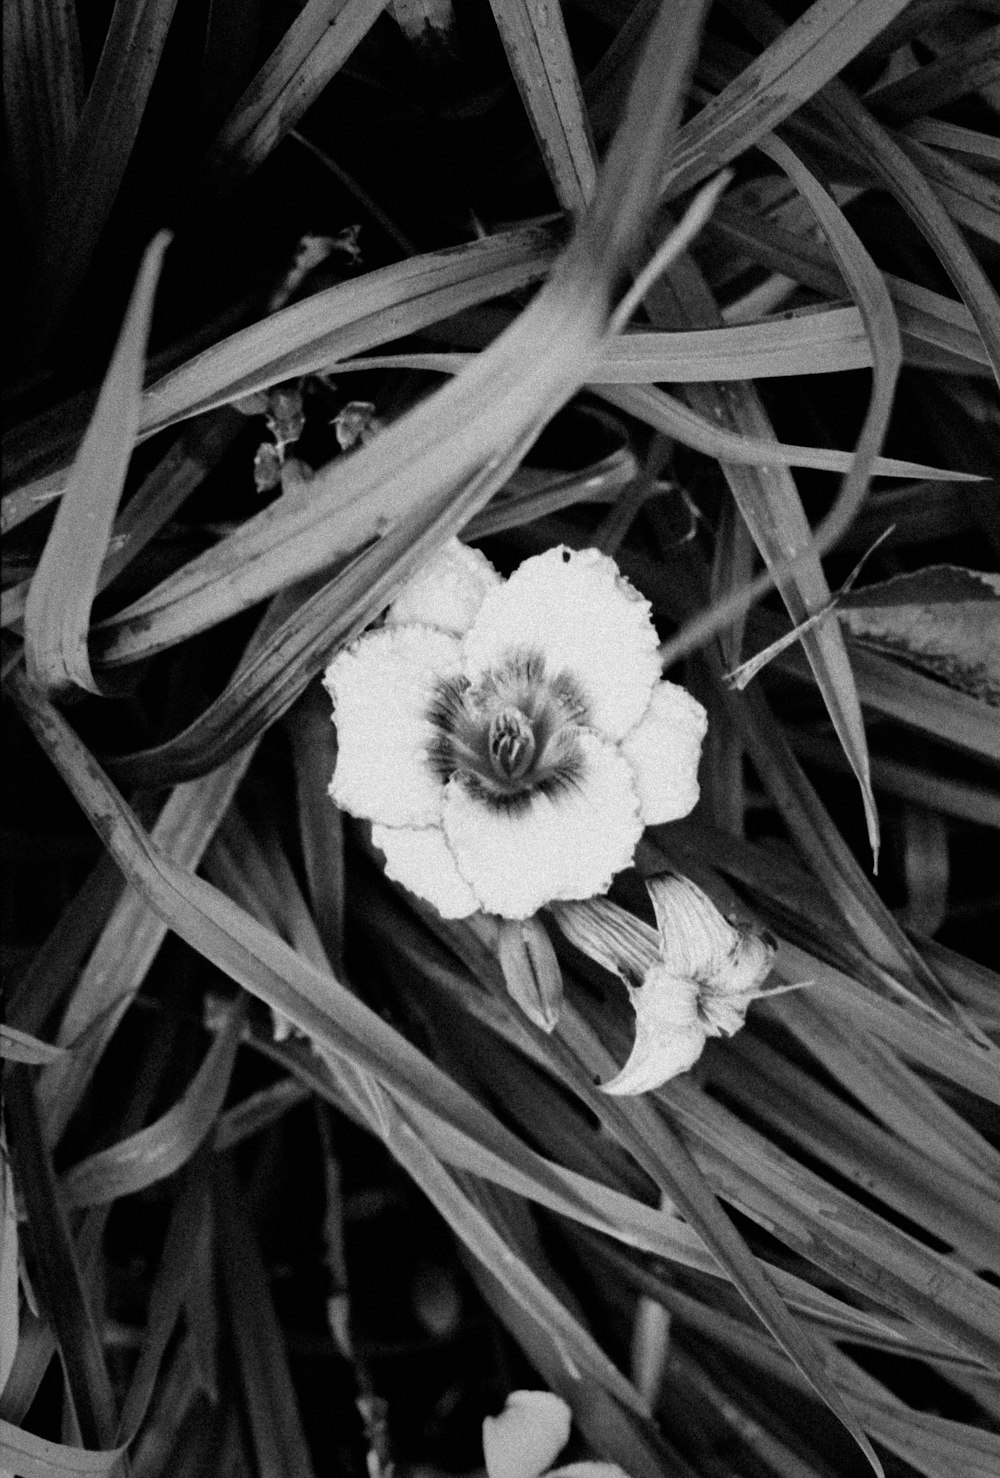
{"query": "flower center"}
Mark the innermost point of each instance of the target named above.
(511, 734)
(511, 744)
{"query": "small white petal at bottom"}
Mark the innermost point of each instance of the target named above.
(664, 749)
(382, 686)
(418, 857)
(567, 845)
(447, 592)
(585, 619)
(527, 1436)
(588, 1470)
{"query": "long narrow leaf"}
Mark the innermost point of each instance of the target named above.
(129, 943)
(163, 1147)
(269, 1395)
(35, 1457)
(57, 612)
(67, 1299)
(539, 54)
(315, 47)
(43, 92)
(85, 192)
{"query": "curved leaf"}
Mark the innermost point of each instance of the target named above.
(57, 611)
(163, 1147)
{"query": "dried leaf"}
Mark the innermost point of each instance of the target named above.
(944, 619)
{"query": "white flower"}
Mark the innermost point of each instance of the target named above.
(691, 978)
(511, 739)
(529, 1433)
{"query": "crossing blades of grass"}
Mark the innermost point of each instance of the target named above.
(829, 1228)
(349, 318)
(828, 659)
(969, 196)
(952, 1057)
(664, 1155)
(267, 895)
(162, 1147)
(181, 470)
(35, 1457)
(869, 144)
(174, 1275)
(610, 1425)
(128, 944)
(921, 703)
(312, 999)
(665, 413)
(85, 192)
(489, 412)
(926, 89)
(302, 628)
(791, 1102)
(270, 1404)
(577, 1055)
(925, 317)
(801, 60)
(468, 1215)
(873, 1073)
(57, 611)
(18, 1046)
(68, 1301)
(955, 138)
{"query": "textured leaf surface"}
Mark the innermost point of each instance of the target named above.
(942, 618)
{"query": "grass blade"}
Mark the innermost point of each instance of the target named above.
(57, 611)
(665, 1156)
(972, 64)
(347, 319)
(479, 419)
(312, 50)
(871, 145)
(81, 202)
(35, 1457)
(128, 945)
(539, 54)
(800, 61)
(269, 1396)
(163, 1147)
(68, 1301)
(174, 1275)
(18, 1046)
(9, 1290)
(43, 92)
(666, 414)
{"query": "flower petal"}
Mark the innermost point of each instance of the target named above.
(663, 750)
(669, 1034)
(585, 619)
(418, 857)
(382, 686)
(567, 844)
(529, 1433)
(448, 592)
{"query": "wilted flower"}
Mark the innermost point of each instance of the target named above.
(529, 1433)
(511, 739)
(691, 978)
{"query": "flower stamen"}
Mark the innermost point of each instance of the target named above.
(511, 744)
